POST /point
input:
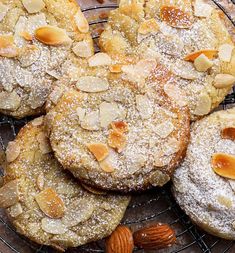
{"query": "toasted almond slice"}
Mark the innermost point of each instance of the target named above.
(50, 203)
(3, 11)
(91, 121)
(12, 152)
(33, 6)
(164, 129)
(27, 36)
(93, 189)
(106, 167)
(228, 133)
(117, 140)
(92, 84)
(99, 150)
(202, 9)
(44, 144)
(7, 47)
(9, 194)
(83, 49)
(203, 105)
(81, 22)
(15, 210)
(52, 35)
(79, 211)
(144, 106)
(175, 17)
(117, 68)
(209, 53)
(223, 81)
(9, 100)
(40, 181)
(223, 165)
(108, 113)
(202, 63)
(120, 126)
(225, 52)
(148, 26)
(99, 59)
(52, 226)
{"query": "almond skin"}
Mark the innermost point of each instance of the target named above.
(155, 237)
(120, 241)
(209, 53)
(228, 133)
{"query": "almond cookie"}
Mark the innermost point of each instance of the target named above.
(36, 38)
(187, 37)
(118, 131)
(204, 185)
(46, 204)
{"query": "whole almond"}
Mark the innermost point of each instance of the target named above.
(120, 241)
(155, 237)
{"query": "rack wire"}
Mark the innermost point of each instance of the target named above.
(147, 208)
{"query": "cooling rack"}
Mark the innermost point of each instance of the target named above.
(156, 205)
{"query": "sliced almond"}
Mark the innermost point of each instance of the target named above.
(223, 81)
(175, 17)
(164, 129)
(202, 63)
(120, 126)
(38, 121)
(117, 68)
(223, 165)
(209, 53)
(99, 150)
(15, 210)
(108, 113)
(92, 84)
(52, 35)
(79, 211)
(225, 52)
(50, 203)
(44, 143)
(9, 194)
(3, 11)
(7, 47)
(91, 121)
(203, 105)
(83, 49)
(27, 36)
(13, 151)
(106, 167)
(56, 94)
(99, 59)
(202, 9)
(144, 106)
(9, 100)
(93, 190)
(81, 22)
(52, 226)
(228, 133)
(148, 26)
(81, 112)
(171, 146)
(29, 55)
(33, 6)
(40, 181)
(117, 140)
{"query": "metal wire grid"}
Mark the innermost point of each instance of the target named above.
(146, 208)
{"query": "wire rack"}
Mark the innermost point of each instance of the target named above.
(156, 205)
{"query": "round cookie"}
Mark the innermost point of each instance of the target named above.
(203, 185)
(187, 37)
(46, 204)
(118, 131)
(36, 39)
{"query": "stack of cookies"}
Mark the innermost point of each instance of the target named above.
(116, 121)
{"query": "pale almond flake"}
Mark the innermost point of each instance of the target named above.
(108, 113)
(81, 113)
(202, 63)
(29, 55)
(92, 84)
(79, 211)
(56, 94)
(202, 9)
(91, 121)
(176, 93)
(9, 100)
(83, 49)
(148, 26)
(15, 210)
(54, 73)
(9, 194)
(44, 144)
(203, 105)
(3, 11)
(171, 146)
(144, 106)
(52, 35)
(33, 6)
(106, 167)
(99, 59)
(53, 226)
(223, 81)
(12, 152)
(40, 181)
(225, 52)
(164, 129)
(38, 121)
(81, 22)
